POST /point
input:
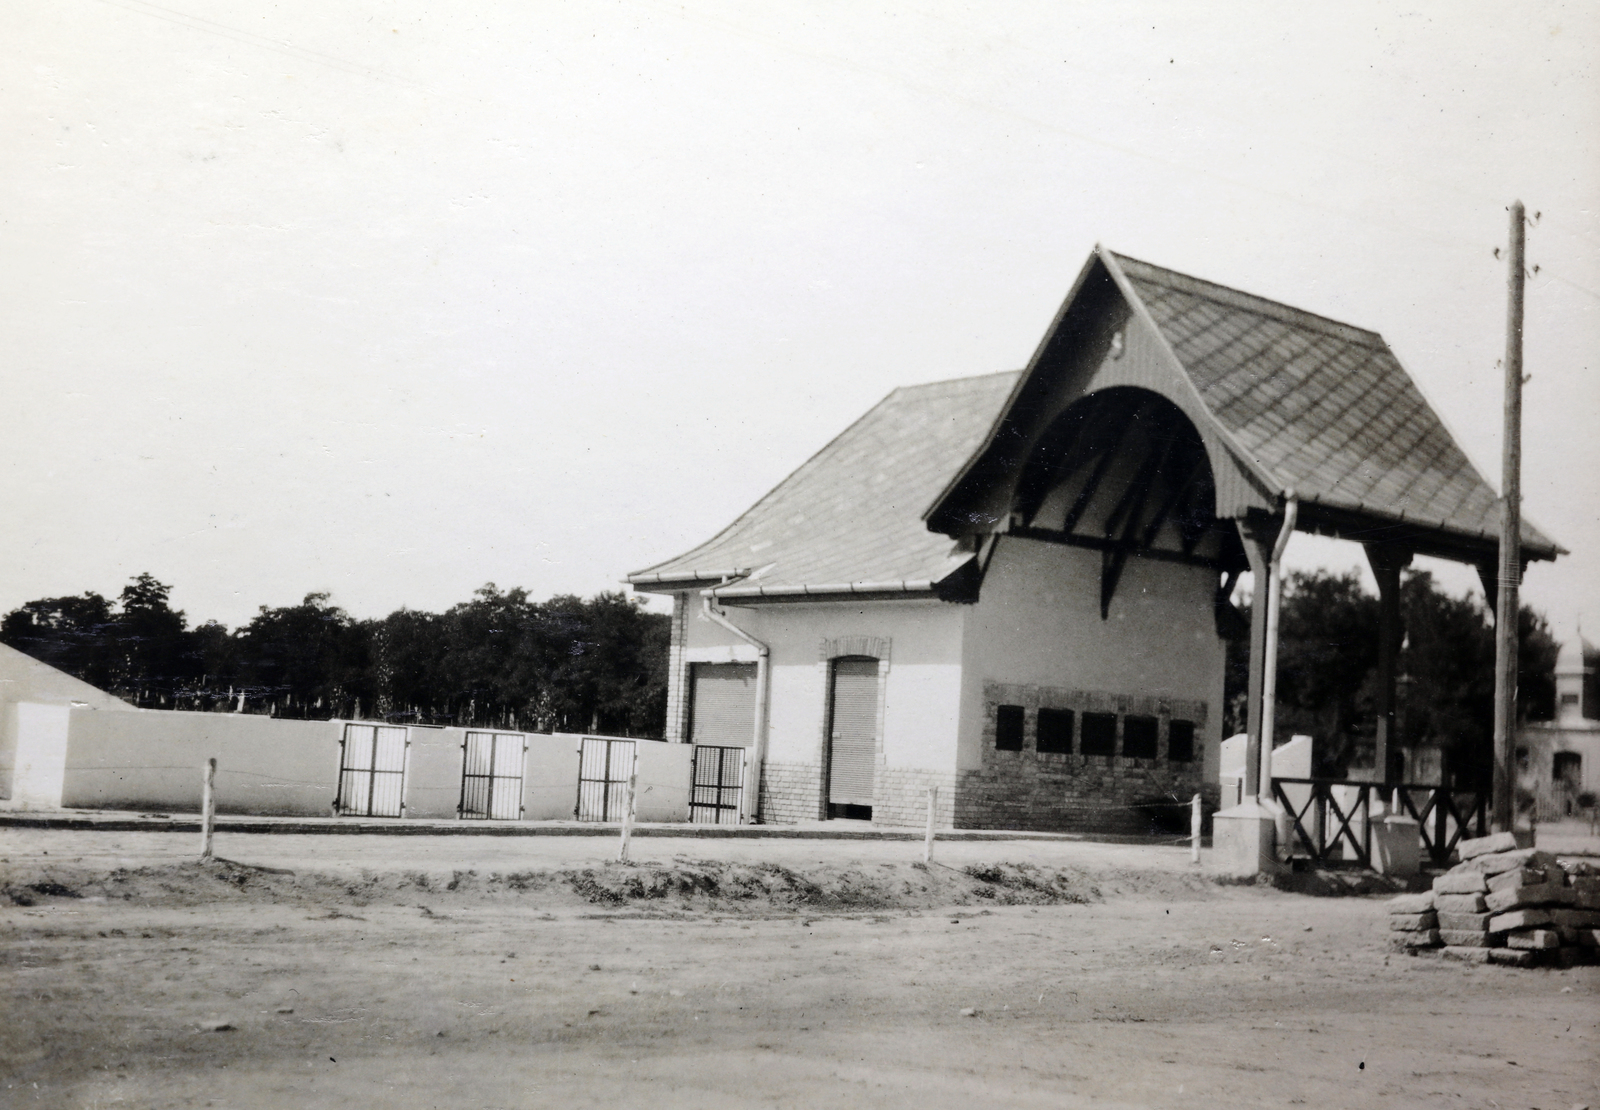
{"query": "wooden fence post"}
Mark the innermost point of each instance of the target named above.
(208, 808)
(628, 810)
(927, 846)
(1194, 829)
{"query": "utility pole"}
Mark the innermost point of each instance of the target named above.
(1510, 571)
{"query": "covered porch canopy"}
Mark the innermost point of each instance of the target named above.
(1167, 417)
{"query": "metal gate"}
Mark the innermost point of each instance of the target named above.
(491, 775)
(372, 768)
(718, 785)
(604, 767)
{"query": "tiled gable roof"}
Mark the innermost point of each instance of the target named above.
(852, 513)
(1323, 405)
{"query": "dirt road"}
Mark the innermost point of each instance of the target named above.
(385, 987)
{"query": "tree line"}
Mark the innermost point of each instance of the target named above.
(500, 660)
(600, 665)
(1328, 672)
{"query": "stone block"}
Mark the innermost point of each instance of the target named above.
(1471, 922)
(1507, 861)
(1567, 956)
(1403, 922)
(1518, 876)
(1486, 845)
(1460, 903)
(1513, 957)
(1469, 938)
(1514, 897)
(1465, 954)
(1576, 919)
(1412, 903)
(1423, 938)
(1586, 938)
(1461, 882)
(1533, 938)
(1519, 919)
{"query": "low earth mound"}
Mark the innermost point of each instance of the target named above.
(680, 885)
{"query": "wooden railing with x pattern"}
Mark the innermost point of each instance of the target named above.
(1331, 819)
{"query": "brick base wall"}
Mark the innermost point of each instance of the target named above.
(900, 797)
(1050, 792)
(791, 792)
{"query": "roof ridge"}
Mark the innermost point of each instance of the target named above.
(949, 381)
(1250, 302)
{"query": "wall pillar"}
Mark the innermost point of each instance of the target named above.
(1387, 561)
(1258, 534)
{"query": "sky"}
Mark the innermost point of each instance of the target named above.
(392, 300)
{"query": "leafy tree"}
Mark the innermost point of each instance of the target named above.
(1327, 677)
(154, 661)
(306, 660)
(74, 634)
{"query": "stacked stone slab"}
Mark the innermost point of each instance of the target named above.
(1413, 922)
(1517, 906)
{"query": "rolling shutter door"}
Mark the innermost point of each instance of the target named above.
(722, 709)
(853, 732)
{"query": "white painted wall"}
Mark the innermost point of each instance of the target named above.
(40, 748)
(1038, 622)
(25, 679)
(922, 694)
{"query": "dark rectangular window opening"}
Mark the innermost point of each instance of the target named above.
(1140, 736)
(1055, 731)
(1099, 734)
(1008, 728)
(1180, 741)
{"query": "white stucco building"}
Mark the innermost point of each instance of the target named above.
(1015, 587)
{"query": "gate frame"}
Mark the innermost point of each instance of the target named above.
(605, 804)
(405, 769)
(522, 775)
(740, 785)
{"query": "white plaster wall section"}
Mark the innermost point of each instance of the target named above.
(922, 633)
(798, 693)
(41, 755)
(1038, 622)
(922, 711)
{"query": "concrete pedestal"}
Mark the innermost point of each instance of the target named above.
(1396, 846)
(1242, 840)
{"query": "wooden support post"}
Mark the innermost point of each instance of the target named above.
(1387, 562)
(628, 809)
(1194, 829)
(1505, 625)
(1258, 536)
(208, 807)
(927, 844)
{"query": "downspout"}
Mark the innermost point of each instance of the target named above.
(1269, 675)
(758, 750)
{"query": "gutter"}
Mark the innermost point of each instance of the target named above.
(902, 586)
(758, 751)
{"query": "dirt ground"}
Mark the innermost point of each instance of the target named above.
(416, 973)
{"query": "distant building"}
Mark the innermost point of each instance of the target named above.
(1559, 760)
(1014, 588)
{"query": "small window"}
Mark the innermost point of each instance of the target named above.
(1055, 731)
(1139, 737)
(1099, 734)
(1008, 728)
(1569, 699)
(1180, 741)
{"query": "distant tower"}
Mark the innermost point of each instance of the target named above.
(1573, 681)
